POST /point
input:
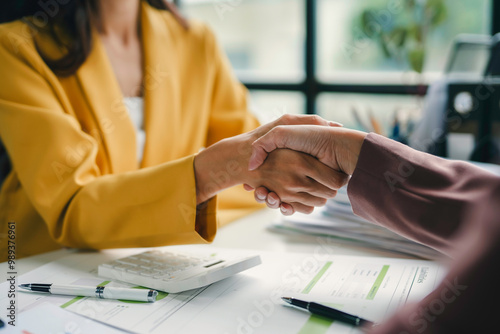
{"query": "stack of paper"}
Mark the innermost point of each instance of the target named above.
(337, 219)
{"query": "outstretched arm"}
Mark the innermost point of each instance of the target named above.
(449, 205)
(296, 176)
(420, 196)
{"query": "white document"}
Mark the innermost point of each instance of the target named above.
(338, 220)
(249, 302)
(49, 318)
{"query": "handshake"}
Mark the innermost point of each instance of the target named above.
(295, 163)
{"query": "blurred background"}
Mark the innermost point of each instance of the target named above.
(365, 63)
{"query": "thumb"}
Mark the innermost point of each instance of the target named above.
(282, 136)
(257, 158)
(274, 139)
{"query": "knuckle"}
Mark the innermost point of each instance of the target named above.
(315, 119)
(278, 130)
(305, 198)
(298, 187)
(285, 119)
(288, 196)
(310, 188)
(318, 120)
(332, 194)
(337, 180)
(322, 202)
(307, 210)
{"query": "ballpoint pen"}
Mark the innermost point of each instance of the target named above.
(102, 292)
(328, 312)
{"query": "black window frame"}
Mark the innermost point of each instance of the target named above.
(311, 87)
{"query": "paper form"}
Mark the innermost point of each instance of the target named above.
(250, 302)
(48, 318)
(337, 220)
(80, 269)
(372, 288)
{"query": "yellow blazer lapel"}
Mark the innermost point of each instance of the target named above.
(105, 101)
(161, 98)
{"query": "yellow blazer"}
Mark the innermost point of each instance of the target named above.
(76, 181)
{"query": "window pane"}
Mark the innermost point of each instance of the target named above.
(345, 54)
(354, 110)
(270, 105)
(263, 39)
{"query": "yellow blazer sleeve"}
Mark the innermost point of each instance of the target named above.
(230, 115)
(55, 162)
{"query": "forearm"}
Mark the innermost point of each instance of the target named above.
(220, 166)
(345, 149)
(225, 163)
(150, 207)
(420, 196)
(466, 301)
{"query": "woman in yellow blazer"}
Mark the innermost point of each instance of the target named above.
(75, 178)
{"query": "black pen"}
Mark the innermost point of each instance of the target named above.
(328, 312)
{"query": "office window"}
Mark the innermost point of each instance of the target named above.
(296, 46)
(263, 39)
(347, 54)
(270, 105)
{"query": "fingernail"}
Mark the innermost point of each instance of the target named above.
(271, 200)
(283, 209)
(261, 196)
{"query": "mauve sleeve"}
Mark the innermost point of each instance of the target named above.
(418, 195)
(451, 206)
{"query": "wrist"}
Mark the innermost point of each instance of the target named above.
(221, 166)
(355, 139)
(347, 147)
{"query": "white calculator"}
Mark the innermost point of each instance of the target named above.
(173, 271)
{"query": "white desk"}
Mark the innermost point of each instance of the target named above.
(247, 233)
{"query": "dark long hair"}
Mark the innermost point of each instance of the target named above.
(68, 23)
